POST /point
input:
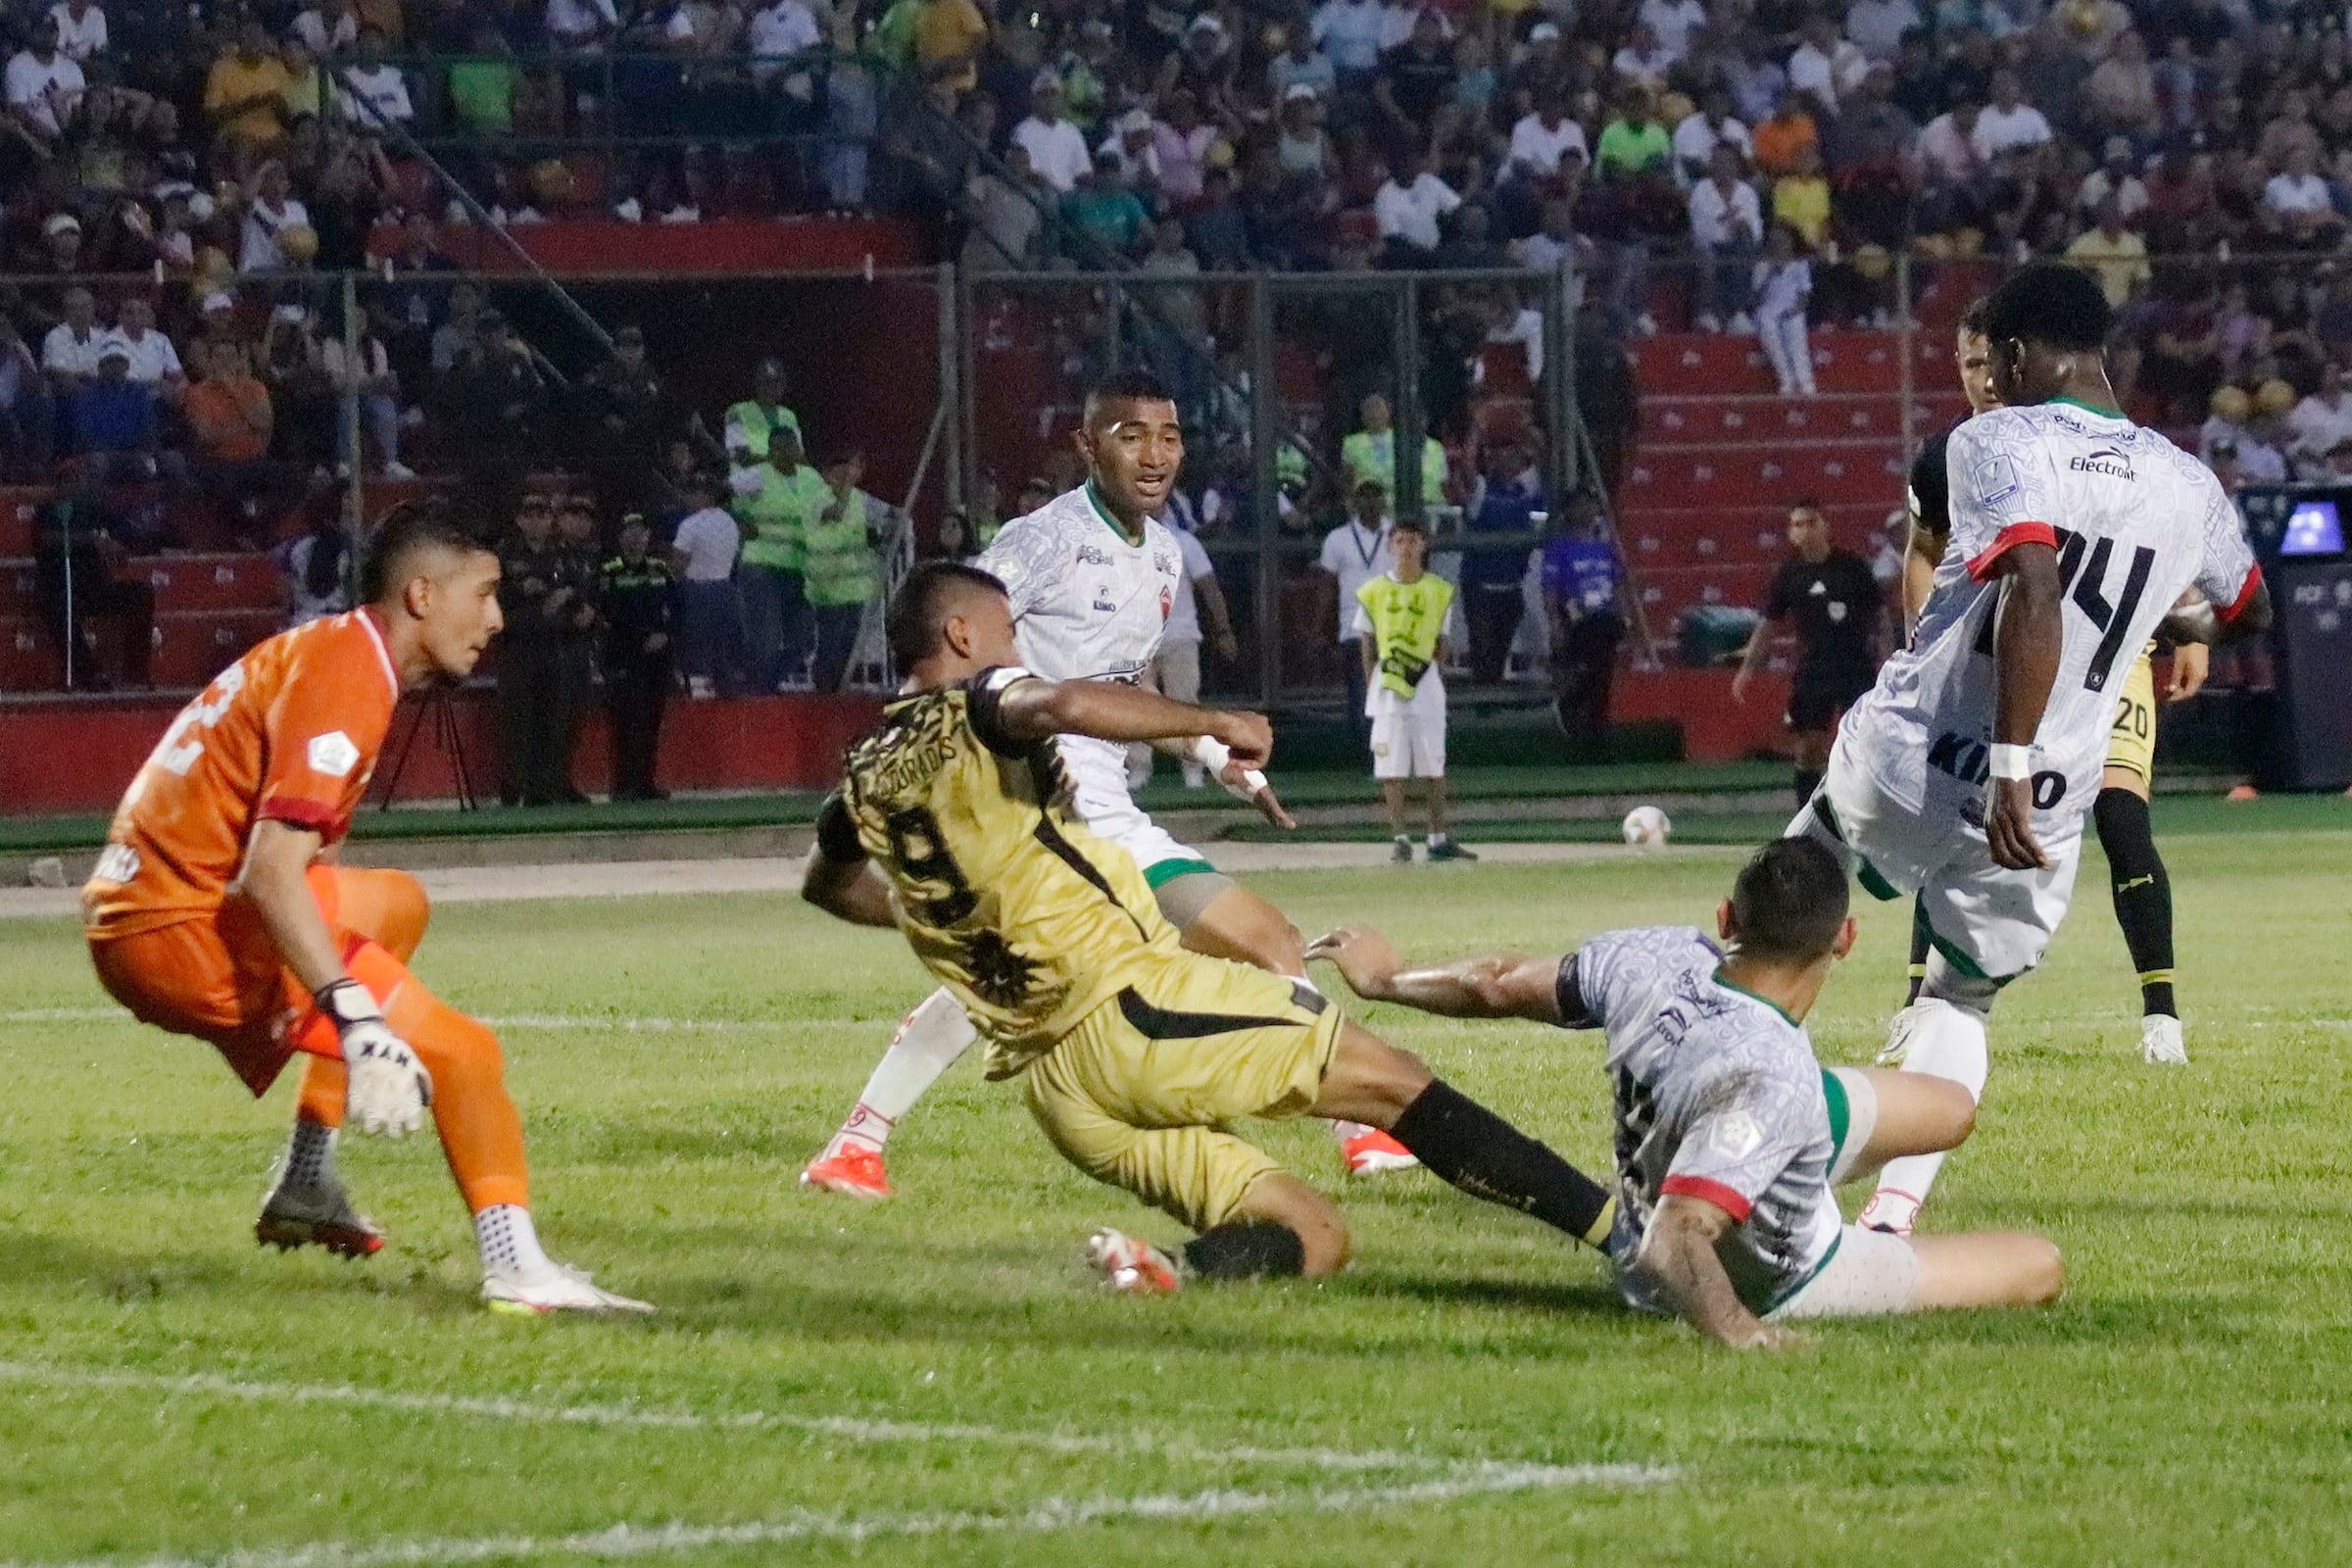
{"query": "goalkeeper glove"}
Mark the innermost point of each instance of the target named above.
(388, 1088)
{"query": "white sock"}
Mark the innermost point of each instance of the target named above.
(509, 1241)
(1949, 1043)
(927, 1044)
(1345, 1130)
(310, 1158)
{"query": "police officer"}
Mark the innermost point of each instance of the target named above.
(639, 621)
(581, 570)
(538, 600)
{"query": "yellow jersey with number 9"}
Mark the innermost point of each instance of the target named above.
(1011, 903)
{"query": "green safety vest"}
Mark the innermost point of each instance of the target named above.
(757, 426)
(1407, 619)
(839, 565)
(1366, 456)
(775, 520)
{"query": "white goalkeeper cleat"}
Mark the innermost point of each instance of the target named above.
(1131, 1266)
(1899, 1035)
(2160, 1042)
(558, 1288)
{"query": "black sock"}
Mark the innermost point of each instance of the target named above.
(1920, 944)
(2143, 894)
(1467, 1145)
(1250, 1249)
(1809, 780)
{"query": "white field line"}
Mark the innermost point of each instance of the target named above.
(1050, 1516)
(846, 1429)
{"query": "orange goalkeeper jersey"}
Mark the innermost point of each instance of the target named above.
(288, 733)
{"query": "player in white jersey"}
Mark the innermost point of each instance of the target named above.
(1093, 577)
(1967, 772)
(1730, 1135)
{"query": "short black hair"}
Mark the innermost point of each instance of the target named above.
(1126, 386)
(1790, 901)
(919, 607)
(1408, 523)
(1972, 320)
(2055, 304)
(406, 531)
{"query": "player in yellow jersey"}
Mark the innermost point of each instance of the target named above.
(1133, 1054)
(2141, 889)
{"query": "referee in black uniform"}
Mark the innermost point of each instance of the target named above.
(1834, 601)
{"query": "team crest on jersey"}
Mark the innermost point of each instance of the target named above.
(333, 754)
(1090, 555)
(1996, 479)
(2109, 461)
(1162, 564)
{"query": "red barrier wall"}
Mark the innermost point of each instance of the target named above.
(717, 248)
(1715, 730)
(78, 757)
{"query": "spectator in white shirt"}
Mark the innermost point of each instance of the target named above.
(45, 87)
(582, 26)
(709, 615)
(1826, 65)
(1876, 27)
(1643, 62)
(272, 212)
(2008, 124)
(372, 93)
(154, 362)
(1353, 553)
(1784, 285)
(1544, 135)
(2297, 200)
(1675, 22)
(1709, 126)
(776, 30)
(324, 36)
(1409, 205)
(2114, 177)
(1947, 147)
(1180, 144)
(70, 352)
(80, 28)
(1056, 148)
(1726, 230)
(1558, 243)
(1351, 34)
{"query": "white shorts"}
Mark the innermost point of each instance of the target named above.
(1098, 772)
(1871, 1274)
(1409, 744)
(1988, 922)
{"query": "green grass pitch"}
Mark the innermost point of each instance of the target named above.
(935, 1380)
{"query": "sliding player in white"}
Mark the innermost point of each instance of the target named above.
(1093, 577)
(1967, 772)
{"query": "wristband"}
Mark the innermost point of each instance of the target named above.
(2012, 761)
(1212, 753)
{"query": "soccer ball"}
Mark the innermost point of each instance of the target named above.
(1645, 827)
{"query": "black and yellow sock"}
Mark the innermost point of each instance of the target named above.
(1249, 1250)
(2143, 894)
(1465, 1144)
(1921, 942)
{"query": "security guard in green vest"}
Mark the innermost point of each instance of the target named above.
(751, 421)
(1370, 454)
(640, 623)
(774, 504)
(842, 570)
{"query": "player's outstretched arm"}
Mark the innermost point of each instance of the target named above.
(2025, 652)
(2201, 622)
(1490, 984)
(1032, 711)
(1678, 1261)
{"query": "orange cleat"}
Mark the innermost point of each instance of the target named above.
(856, 1172)
(1132, 1267)
(1372, 1151)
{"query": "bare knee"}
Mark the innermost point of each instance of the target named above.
(1282, 1199)
(1954, 1110)
(2041, 1271)
(1325, 1247)
(1370, 1080)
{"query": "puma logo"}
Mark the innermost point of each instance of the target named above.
(2135, 882)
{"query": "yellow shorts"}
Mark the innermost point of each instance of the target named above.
(2132, 744)
(1139, 1094)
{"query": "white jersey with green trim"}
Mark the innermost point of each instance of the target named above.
(2135, 521)
(1718, 1097)
(1088, 604)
